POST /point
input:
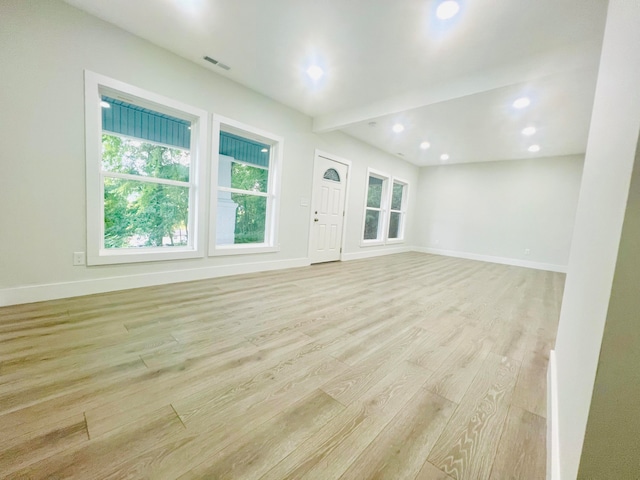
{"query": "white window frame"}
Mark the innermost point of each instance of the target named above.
(273, 189)
(385, 209)
(97, 85)
(384, 204)
(402, 211)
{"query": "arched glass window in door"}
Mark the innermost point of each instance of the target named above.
(331, 174)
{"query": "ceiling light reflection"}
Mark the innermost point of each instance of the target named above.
(447, 9)
(522, 102)
(315, 72)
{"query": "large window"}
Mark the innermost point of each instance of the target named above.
(143, 161)
(246, 189)
(385, 209)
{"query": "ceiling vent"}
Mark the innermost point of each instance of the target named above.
(216, 62)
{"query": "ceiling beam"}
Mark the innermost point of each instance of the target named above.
(577, 56)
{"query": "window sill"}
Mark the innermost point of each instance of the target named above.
(243, 249)
(134, 255)
(381, 243)
(395, 241)
(371, 243)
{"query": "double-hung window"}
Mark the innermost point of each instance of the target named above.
(385, 209)
(397, 211)
(244, 205)
(376, 208)
(144, 156)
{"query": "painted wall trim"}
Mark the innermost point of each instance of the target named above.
(553, 439)
(370, 252)
(52, 291)
(488, 258)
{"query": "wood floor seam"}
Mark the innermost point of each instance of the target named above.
(86, 425)
(177, 415)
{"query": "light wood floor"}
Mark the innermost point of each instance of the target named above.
(408, 366)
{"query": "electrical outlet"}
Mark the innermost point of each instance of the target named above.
(527, 251)
(79, 258)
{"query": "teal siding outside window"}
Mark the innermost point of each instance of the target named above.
(137, 122)
(133, 121)
(244, 150)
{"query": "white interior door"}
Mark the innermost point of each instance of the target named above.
(327, 209)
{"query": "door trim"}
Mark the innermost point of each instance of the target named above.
(347, 163)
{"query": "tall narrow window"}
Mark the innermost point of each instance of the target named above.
(397, 211)
(245, 202)
(375, 208)
(145, 165)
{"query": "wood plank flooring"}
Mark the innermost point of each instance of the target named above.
(408, 366)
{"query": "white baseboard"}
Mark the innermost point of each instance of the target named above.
(553, 448)
(488, 258)
(368, 252)
(51, 291)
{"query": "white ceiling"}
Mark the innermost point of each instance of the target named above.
(449, 82)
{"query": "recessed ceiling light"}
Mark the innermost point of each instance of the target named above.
(447, 9)
(444, 157)
(425, 145)
(398, 127)
(522, 102)
(104, 104)
(315, 72)
(534, 148)
(529, 131)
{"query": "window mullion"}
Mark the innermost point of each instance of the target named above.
(244, 192)
(141, 178)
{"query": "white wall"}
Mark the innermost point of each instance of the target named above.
(611, 439)
(611, 148)
(44, 47)
(496, 210)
